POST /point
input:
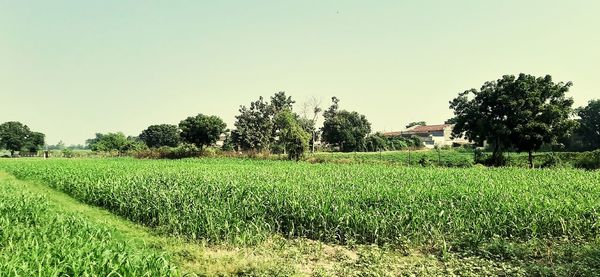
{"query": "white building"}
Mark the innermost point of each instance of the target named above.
(432, 135)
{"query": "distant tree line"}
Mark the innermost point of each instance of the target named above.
(514, 113)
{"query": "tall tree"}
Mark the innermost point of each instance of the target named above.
(280, 102)
(345, 130)
(333, 109)
(291, 135)
(161, 135)
(521, 112)
(258, 128)
(254, 127)
(202, 130)
(13, 136)
(590, 124)
(310, 115)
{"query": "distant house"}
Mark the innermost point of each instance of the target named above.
(431, 135)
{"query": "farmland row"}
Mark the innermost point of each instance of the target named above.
(39, 239)
(246, 201)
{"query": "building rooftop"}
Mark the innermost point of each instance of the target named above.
(428, 128)
(418, 129)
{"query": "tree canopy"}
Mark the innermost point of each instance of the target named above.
(16, 136)
(202, 130)
(344, 129)
(590, 124)
(34, 142)
(114, 142)
(160, 135)
(523, 112)
(293, 138)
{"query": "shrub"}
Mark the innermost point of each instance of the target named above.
(424, 161)
(67, 153)
(479, 157)
(589, 160)
(185, 150)
(553, 160)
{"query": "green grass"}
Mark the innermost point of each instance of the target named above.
(537, 221)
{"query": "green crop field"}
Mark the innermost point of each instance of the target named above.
(446, 158)
(39, 239)
(534, 222)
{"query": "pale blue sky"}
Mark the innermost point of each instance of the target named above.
(73, 68)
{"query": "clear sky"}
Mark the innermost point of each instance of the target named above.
(73, 68)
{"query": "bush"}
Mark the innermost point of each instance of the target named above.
(67, 153)
(589, 160)
(424, 161)
(211, 152)
(182, 151)
(185, 150)
(553, 161)
(479, 157)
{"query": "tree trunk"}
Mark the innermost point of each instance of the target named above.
(496, 148)
(12, 153)
(313, 142)
(530, 159)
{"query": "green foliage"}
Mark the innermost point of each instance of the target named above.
(34, 142)
(523, 112)
(401, 143)
(588, 134)
(425, 161)
(280, 102)
(345, 130)
(184, 150)
(230, 143)
(160, 135)
(247, 200)
(589, 160)
(15, 136)
(417, 123)
(291, 135)
(37, 239)
(114, 142)
(498, 221)
(308, 125)
(258, 129)
(67, 153)
(202, 130)
(445, 158)
(254, 127)
(376, 142)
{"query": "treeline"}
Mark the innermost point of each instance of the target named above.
(521, 113)
(265, 126)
